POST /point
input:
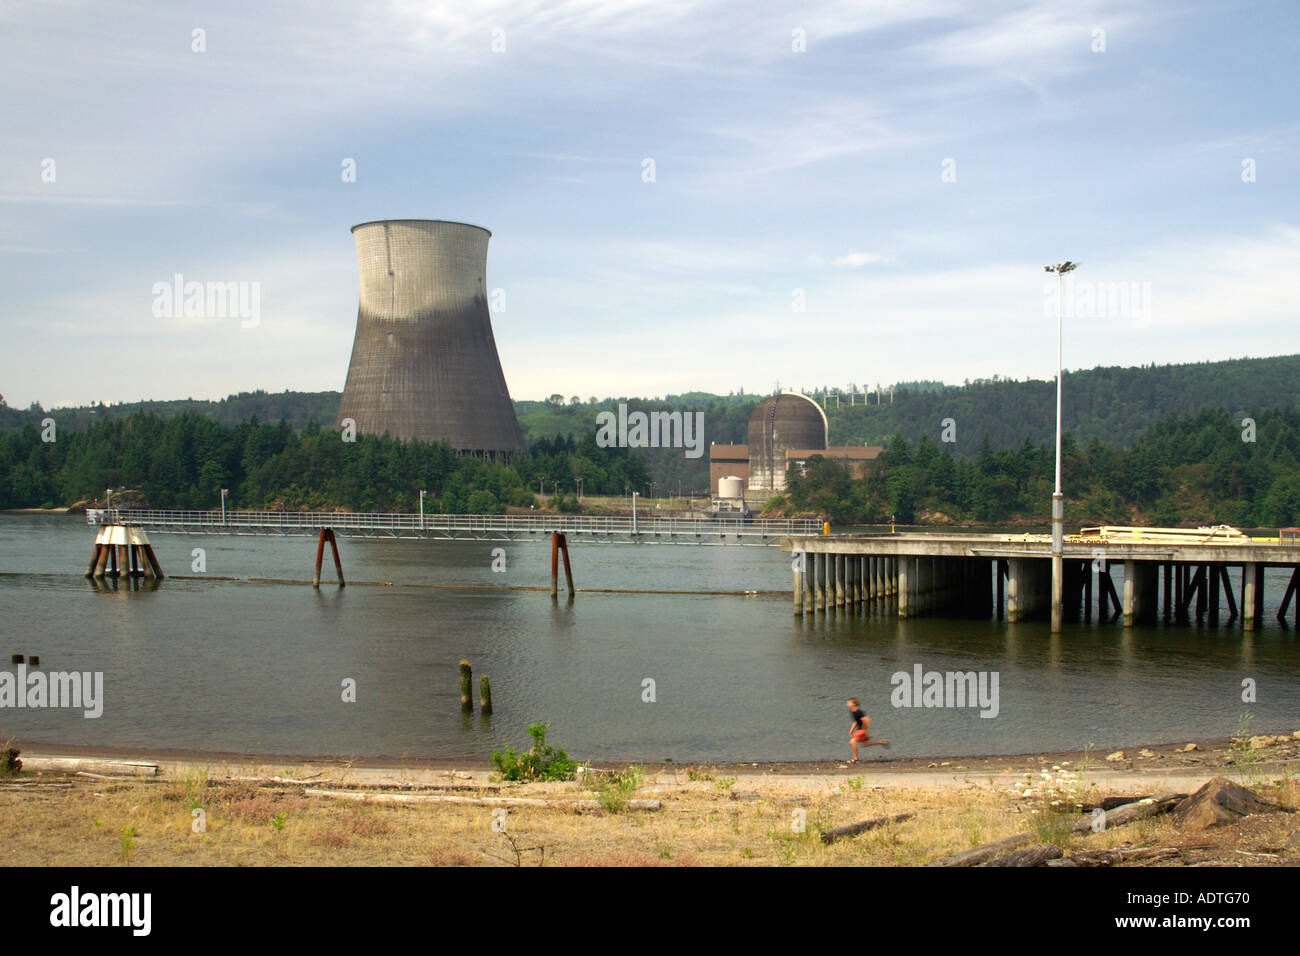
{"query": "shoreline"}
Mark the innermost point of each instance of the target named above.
(1208, 755)
(212, 811)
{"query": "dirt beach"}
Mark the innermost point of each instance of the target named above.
(125, 807)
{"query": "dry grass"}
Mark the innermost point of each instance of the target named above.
(699, 824)
(753, 823)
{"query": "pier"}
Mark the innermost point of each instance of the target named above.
(621, 529)
(1177, 574)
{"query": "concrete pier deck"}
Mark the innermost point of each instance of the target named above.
(1180, 575)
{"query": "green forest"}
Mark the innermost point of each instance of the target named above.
(1186, 470)
(1159, 444)
(184, 462)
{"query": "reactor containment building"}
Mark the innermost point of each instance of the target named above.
(424, 360)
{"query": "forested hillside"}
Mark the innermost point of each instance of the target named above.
(1183, 471)
(184, 461)
(1111, 405)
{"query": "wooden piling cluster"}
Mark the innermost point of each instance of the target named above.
(1009, 577)
(123, 551)
(560, 546)
(323, 536)
(467, 691)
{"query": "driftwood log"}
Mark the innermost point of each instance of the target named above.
(982, 854)
(1030, 856)
(1110, 803)
(114, 768)
(853, 829)
(1118, 855)
(1146, 807)
(1118, 817)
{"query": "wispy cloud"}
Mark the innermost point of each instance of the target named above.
(856, 260)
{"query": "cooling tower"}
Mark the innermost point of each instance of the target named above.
(424, 362)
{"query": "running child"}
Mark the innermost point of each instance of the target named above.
(860, 729)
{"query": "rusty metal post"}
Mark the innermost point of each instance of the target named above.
(153, 562)
(327, 534)
(320, 555)
(338, 561)
(568, 571)
(555, 563)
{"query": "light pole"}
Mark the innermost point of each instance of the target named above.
(422, 494)
(108, 505)
(1058, 499)
(634, 494)
(223, 505)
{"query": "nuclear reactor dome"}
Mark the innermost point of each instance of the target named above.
(780, 423)
(424, 361)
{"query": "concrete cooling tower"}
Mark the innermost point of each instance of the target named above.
(424, 362)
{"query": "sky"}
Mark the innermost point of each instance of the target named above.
(683, 196)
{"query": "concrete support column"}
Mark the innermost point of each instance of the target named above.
(1013, 589)
(1129, 597)
(809, 575)
(798, 592)
(904, 588)
(1251, 595)
(839, 580)
(1140, 583)
(1058, 592)
(819, 572)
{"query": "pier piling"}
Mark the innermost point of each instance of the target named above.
(324, 535)
(466, 688)
(1167, 573)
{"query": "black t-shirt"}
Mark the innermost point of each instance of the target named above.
(857, 716)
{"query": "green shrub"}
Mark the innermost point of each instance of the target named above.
(539, 762)
(10, 765)
(613, 791)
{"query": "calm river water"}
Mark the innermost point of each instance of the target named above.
(252, 667)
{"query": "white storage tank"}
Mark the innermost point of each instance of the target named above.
(731, 487)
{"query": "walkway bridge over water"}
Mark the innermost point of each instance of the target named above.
(623, 530)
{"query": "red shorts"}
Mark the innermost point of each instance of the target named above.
(860, 735)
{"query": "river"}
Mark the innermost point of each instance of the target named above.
(217, 665)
